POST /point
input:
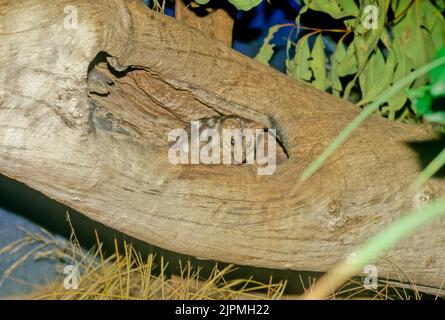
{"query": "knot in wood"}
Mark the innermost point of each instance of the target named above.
(335, 217)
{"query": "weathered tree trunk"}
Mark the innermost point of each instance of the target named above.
(216, 22)
(93, 136)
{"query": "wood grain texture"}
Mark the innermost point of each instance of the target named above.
(215, 21)
(84, 115)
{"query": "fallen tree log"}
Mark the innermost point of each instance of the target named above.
(84, 117)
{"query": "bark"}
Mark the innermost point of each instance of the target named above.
(84, 116)
(215, 21)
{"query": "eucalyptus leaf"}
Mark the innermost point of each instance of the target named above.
(414, 31)
(376, 76)
(300, 66)
(318, 64)
(366, 40)
(438, 88)
(421, 99)
(398, 6)
(245, 5)
(266, 51)
(348, 64)
(335, 8)
(337, 59)
(438, 77)
(409, 40)
(437, 73)
(403, 67)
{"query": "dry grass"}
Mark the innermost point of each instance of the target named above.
(130, 276)
(158, 5)
(126, 274)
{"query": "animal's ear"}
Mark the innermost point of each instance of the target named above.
(231, 123)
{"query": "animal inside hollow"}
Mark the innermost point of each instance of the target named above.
(227, 139)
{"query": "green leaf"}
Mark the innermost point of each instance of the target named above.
(438, 77)
(350, 23)
(202, 2)
(307, 65)
(335, 8)
(299, 66)
(423, 104)
(396, 102)
(349, 64)
(421, 99)
(438, 88)
(440, 4)
(403, 67)
(336, 61)
(266, 51)
(365, 40)
(398, 6)
(376, 76)
(437, 73)
(436, 24)
(415, 33)
(318, 64)
(245, 5)
(362, 116)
